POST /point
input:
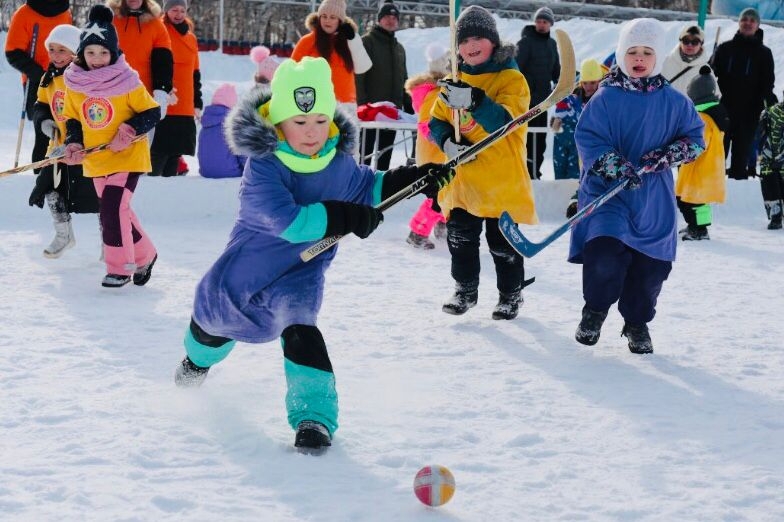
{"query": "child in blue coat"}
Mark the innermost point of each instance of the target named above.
(216, 160)
(301, 184)
(636, 127)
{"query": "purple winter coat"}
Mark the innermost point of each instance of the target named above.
(215, 158)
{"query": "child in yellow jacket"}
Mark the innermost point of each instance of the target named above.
(105, 102)
(491, 92)
(702, 182)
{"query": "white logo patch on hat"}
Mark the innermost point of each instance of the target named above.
(305, 98)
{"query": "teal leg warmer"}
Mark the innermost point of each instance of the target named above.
(204, 349)
(311, 384)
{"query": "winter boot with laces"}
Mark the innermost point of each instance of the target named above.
(312, 437)
(508, 305)
(590, 327)
(639, 338)
(695, 233)
(188, 375)
(465, 297)
(419, 241)
(115, 280)
(63, 240)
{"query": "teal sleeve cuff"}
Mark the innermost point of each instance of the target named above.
(309, 225)
(378, 184)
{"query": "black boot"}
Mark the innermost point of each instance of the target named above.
(590, 327)
(775, 213)
(142, 275)
(465, 297)
(508, 305)
(188, 375)
(639, 338)
(312, 437)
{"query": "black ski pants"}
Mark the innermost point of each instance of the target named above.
(463, 231)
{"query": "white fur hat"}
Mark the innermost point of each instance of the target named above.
(645, 32)
(65, 35)
(437, 58)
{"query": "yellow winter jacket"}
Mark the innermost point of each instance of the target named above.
(498, 178)
(100, 118)
(702, 181)
(54, 96)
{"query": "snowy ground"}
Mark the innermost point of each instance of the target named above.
(533, 425)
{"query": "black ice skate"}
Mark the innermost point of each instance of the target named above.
(188, 375)
(639, 338)
(590, 326)
(312, 438)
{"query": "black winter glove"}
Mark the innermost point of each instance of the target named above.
(346, 30)
(460, 95)
(44, 183)
(436, 176)
(344, 218)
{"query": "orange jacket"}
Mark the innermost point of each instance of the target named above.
(20, 32)
(147, 47)
(185, 50)
(342, 78)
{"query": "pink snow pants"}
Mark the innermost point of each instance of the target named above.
(125, 245)
(425, 218)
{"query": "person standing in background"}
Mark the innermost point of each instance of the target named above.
(146, 45)
(176, 133)
(537, 59)
(384, 81)
(683, 63)
(45, 15)
(745, 72)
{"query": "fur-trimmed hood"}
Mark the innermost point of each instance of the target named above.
(151, 8)
(248, 134)
(503, 58)
(419, 79)
(311, 21)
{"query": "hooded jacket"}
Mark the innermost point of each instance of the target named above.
(537, 59)
(497, 179)
(145, 42)
(259, 285)
(385, 79)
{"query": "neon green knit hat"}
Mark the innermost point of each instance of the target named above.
(303, 87)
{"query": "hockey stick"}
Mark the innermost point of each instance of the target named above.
(56, 169)
(454, 8)
(563, 89)
(527, 248)
(25, 92)
(53, 159)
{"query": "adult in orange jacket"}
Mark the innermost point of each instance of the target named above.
(146, 45)
(46, 15)
(176, 133)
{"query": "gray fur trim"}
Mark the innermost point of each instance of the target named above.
(504, 52)
(248, 134)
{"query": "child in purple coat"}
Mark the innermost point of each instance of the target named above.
(636, 127)
(215, 158)
(301, 184)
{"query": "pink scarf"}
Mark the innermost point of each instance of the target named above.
(111, 80)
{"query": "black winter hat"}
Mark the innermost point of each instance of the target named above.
(702, 88)
(477, 21)
(388, 8)
(99, 31)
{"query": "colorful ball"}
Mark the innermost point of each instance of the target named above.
(434, 485)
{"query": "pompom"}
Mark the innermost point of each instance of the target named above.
(259, 53)
(101, 14)
(434, 51)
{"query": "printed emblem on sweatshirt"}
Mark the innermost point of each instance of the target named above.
(58, 104)
(97, 112)
(305, 98)
(467, 122)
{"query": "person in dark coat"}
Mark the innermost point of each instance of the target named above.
(745, 72)
(537, 59)
(386, 78)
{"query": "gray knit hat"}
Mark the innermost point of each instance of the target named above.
(477, 21)
(749, 12)
(702, 88)
(168, 4)
(545, 13)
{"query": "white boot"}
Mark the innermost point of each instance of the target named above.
(63, 239)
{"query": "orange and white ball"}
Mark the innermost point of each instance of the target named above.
(434, 485)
